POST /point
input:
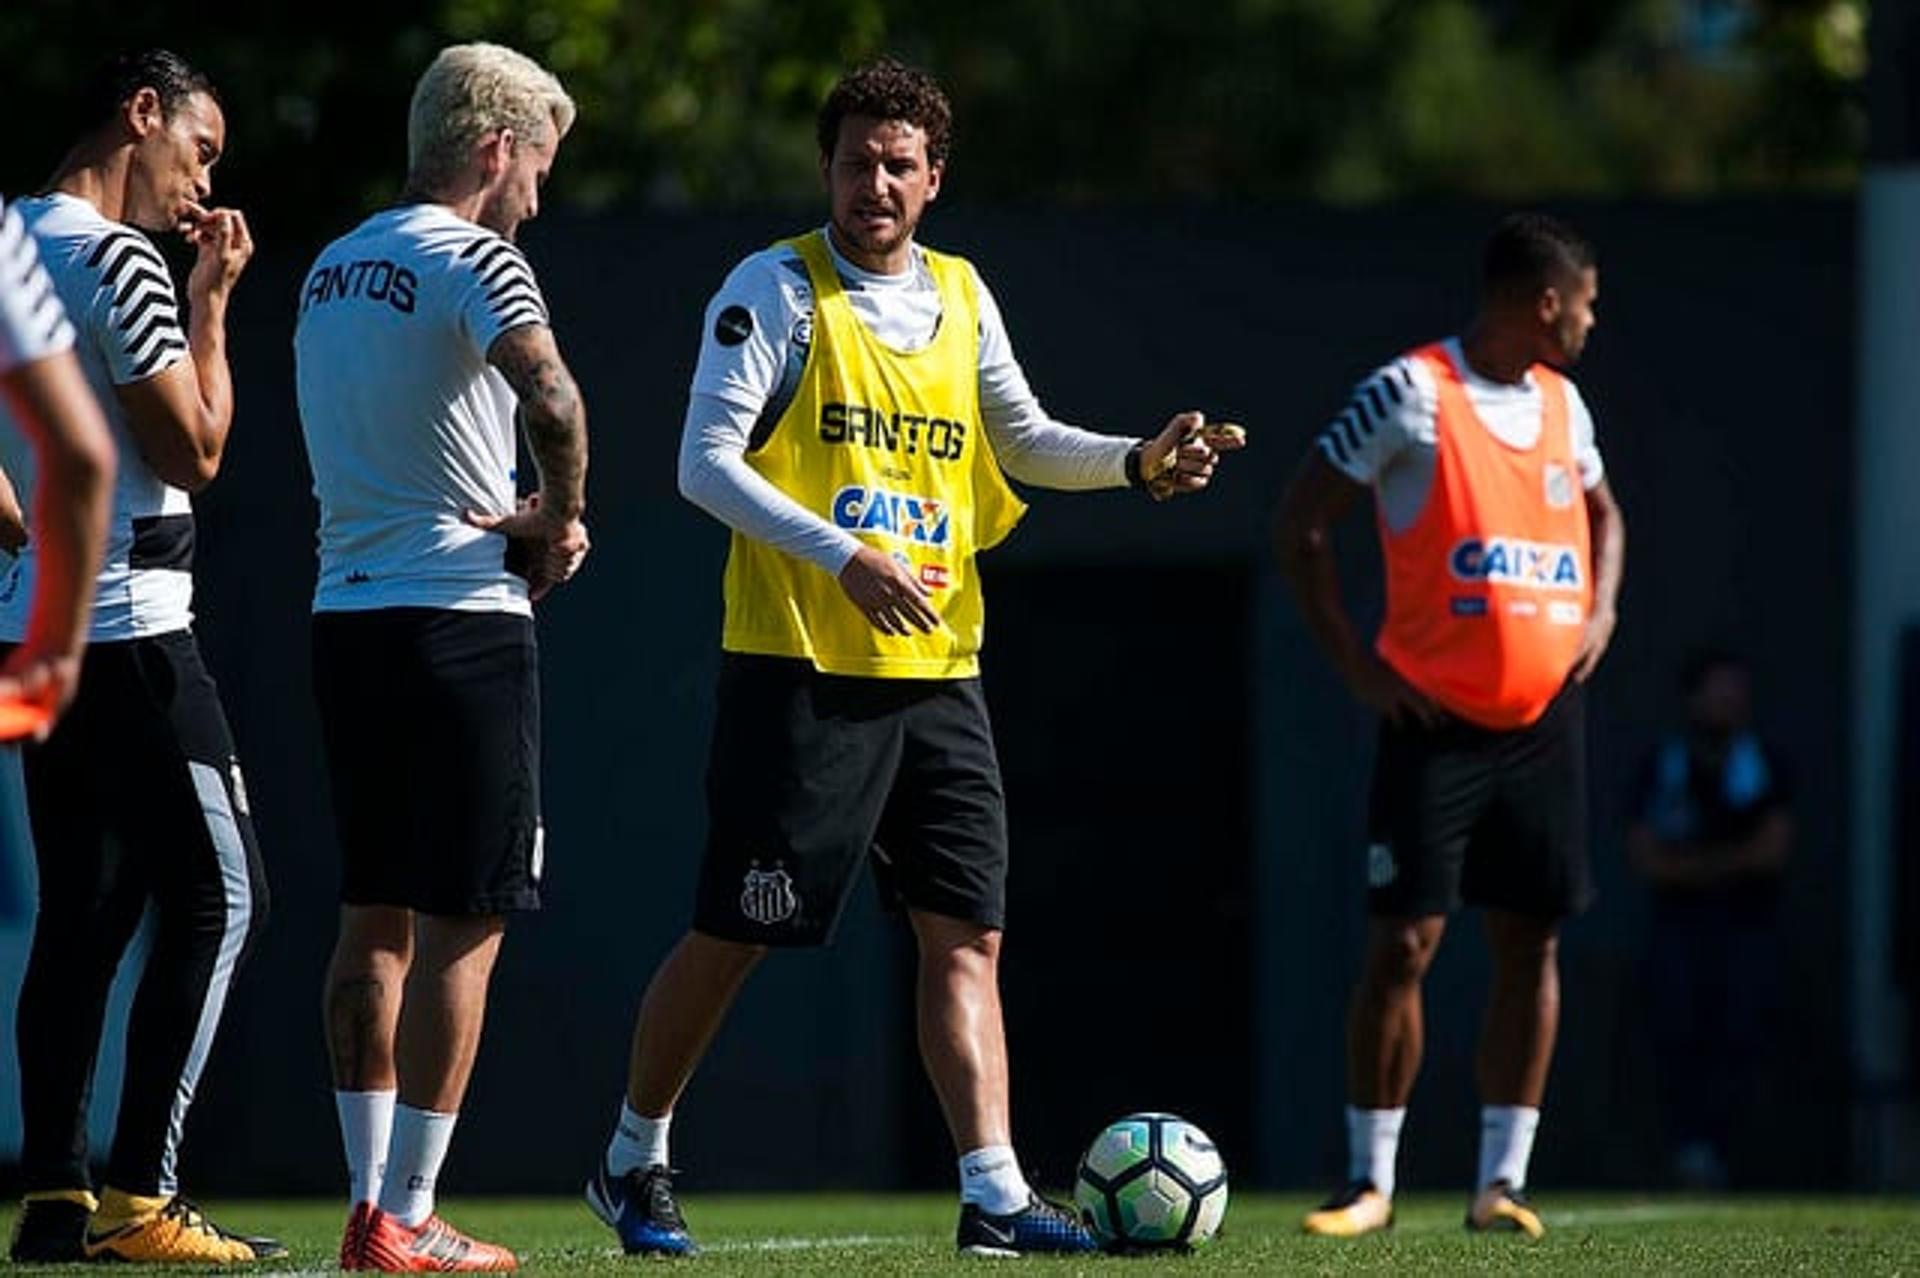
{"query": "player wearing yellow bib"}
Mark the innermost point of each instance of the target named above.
(853, 418)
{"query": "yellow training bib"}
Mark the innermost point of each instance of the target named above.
(888, 445)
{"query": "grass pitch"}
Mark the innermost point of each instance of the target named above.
(891, 1234)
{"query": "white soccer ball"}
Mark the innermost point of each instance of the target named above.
(1150, 1182)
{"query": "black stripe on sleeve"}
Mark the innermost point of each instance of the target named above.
(146, 276)
(493, 252)
(164, 324)
(1376, 403)
(1335, 450)
(517, 316)
(127, 252)
(151, 299)
(507, 268)
(1347, 425)
(38, 288)
(505, 286)
(524, 294)
(158, 353)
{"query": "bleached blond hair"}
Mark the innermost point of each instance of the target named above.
(469, 91)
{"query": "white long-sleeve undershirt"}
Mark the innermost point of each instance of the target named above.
(736, 379)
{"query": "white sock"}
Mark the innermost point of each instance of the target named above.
(1506, 1143)
(366, 1128)
(638, 1142)
(420, 1140)
(990, 1176)
(1373, 1145)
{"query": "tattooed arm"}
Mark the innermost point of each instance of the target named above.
(551, 413)
(555, 421)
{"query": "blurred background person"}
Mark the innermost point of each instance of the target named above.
(1712, 831)
(44, 395)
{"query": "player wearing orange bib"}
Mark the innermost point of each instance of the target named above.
(1503, 549)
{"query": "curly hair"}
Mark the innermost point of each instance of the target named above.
(889, 90)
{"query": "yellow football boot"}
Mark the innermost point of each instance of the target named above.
(1357, 1209)
(1502, 1208)
(166, 1231)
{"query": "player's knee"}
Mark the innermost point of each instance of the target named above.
(736, 958)
(956, 943)
(1400, 956)
(1523, 944)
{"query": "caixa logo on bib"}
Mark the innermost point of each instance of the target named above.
(767, 896)
(904, 516)
(1542, 565)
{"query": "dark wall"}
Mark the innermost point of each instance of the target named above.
(1185, 779)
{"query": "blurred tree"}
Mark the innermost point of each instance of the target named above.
(710, 102)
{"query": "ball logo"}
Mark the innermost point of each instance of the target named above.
(767, 896)
(903, 516)
(1514, 562)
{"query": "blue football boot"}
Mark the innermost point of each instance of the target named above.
(1040, 1226)
(639, 1207)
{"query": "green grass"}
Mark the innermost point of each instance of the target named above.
(890, 1234)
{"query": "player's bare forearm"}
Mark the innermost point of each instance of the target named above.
(223, 247)
(212, 375)
(13, 520)
(1609, 536)
(51, 400)
(552, 414)
(1303, 544)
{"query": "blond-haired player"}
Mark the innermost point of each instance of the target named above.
(422, 334)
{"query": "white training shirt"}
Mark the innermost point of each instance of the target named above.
(120, 299)
(1388, 435)
(33, 324)
(758, 330)
(408, 427)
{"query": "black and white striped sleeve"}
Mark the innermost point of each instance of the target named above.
(136, 316)
(33, 324)
(1381, 417)
(498, 293)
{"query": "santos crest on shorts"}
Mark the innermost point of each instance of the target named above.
(120, 298)
(407, 425)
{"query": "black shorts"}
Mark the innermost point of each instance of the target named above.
(813, 774)
(1493, 818)
(431, 720)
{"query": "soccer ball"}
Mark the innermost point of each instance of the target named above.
(1152, 1181)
